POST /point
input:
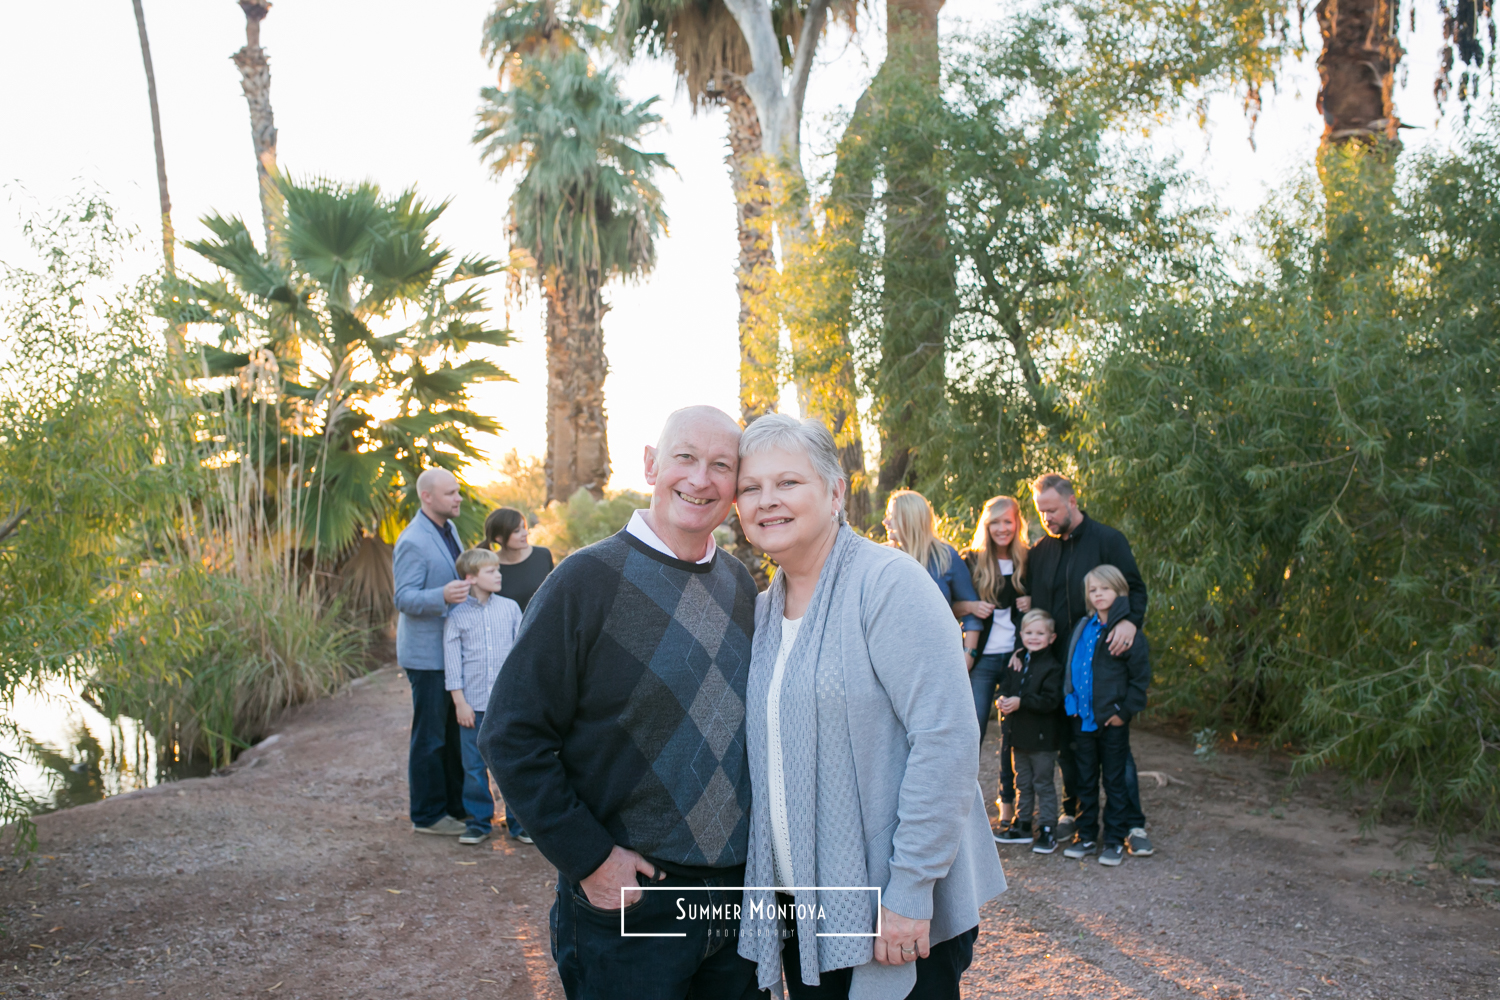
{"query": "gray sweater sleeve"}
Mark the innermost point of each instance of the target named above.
(918, 659)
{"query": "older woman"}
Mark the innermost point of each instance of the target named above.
(863, 748)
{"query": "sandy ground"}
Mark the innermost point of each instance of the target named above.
(297, 875)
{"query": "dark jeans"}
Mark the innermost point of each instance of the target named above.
(596, 963)
(938, 974)
(477, 799)
(984, 679)
(434, 763)
(1104, 754)
(1065, 762)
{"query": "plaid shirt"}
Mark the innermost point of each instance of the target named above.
(476, 641)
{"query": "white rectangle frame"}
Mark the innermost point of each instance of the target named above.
(754, 888)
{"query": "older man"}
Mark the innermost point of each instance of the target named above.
(426, 586)
(1076, 544)
(616, 731)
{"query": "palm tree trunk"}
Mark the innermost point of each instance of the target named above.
(255, 79)
(1357, 70)
(577, 441)
(757, 262)
(168, 237)
(917, 268)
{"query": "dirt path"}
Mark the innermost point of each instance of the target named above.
(297, 876)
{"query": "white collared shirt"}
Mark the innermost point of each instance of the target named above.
(640, 529)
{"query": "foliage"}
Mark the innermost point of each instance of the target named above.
(523, 485)
(209, 660)
(586, 207)
(372, 312)
(1308, 462)
(81, 453)
(566, 527)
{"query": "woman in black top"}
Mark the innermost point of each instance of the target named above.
(523, 566)
(997, 563)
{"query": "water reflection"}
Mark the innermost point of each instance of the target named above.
(69, 753)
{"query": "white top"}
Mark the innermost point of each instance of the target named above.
(640, 529)
(1003, 633)
(781, 831)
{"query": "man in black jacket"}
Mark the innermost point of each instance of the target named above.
(1076, 544)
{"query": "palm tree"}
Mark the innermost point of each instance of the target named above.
(255, 80)
(585, 210)
(1357, 70)
(168, 238)
(383, 313)
(711, 60)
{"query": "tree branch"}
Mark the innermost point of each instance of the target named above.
(807, 47)
(10, 524)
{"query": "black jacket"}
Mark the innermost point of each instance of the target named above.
(1034, 726)
(1120, 682)
(1057, 566)
(1005, 601)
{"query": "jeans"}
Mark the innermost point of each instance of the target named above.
(984, 679)
(595, 963)
(938, 974)
(1070, 806)
(434, 763)
(477, 799)
(1104, 754)
(1035, 784)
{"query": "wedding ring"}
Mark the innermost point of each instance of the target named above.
(906, 950)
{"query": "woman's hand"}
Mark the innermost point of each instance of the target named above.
(979, 609)
(901, 939)
(1023, 604)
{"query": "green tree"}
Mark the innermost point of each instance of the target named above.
(585, 210)
(372, 312)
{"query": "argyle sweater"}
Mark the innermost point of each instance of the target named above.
(619, 716)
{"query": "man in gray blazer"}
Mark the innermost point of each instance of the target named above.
(426, 585)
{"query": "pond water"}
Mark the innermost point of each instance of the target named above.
(69, 753)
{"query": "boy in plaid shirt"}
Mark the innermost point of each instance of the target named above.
(477, 639)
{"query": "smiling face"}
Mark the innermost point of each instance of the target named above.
(691, 472)
(784, 507)
(1003, 528)
(519, 539)
(1037, 635)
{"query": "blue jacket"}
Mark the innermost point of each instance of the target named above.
(422, 565)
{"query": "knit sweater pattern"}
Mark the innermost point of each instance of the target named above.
(619, 717)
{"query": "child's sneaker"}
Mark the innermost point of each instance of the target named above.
(1080, 849)
(1045, 843)
(473, 836)
(1064, 829)
(1138, 844)
(1014, 833)
(1112, 855)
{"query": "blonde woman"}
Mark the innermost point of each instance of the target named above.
(909, 524)
(996, 559)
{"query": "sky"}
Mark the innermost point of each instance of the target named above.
(386, 91)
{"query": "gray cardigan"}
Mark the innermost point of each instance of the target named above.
(422, 565)
(887, 793)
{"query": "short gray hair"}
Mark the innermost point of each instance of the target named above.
(777, 430)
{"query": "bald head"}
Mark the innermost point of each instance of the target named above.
(692, 473)
(438, 491)
(700, 417)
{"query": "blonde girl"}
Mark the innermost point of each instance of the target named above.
(909, 524)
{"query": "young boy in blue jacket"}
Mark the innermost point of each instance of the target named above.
(1101, 693)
